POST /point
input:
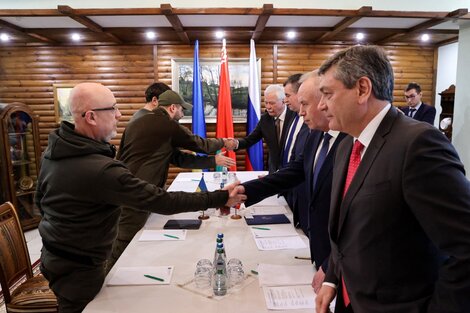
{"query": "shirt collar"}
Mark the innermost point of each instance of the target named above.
(417, 106)
(366, 135)
(282, 117)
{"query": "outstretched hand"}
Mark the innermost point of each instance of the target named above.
(222, 160)
(236, 195)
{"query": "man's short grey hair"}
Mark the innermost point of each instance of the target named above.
(359, 61)
(308, 75)
(278, 90)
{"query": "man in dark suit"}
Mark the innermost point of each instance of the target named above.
(304, 169)
(294, 146)
(416, 109)
(274, 136)
(400, 201)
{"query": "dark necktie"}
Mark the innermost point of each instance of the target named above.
(277, 123)
(354, 161)
(285, 159)
(411, 112)
(321, 157)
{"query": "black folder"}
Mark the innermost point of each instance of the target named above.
(182, 224)
(267, 219)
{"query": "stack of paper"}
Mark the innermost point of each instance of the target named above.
(287, 286)
(277, 237)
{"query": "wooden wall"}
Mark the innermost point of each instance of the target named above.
(27, 74)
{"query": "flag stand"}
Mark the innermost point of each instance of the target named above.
(236, 216)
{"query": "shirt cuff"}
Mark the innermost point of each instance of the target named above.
(329, 285)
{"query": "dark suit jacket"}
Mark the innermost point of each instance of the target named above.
(401, 235)
(426, 113)
(318, 196)
(266, 130)
(295, 197)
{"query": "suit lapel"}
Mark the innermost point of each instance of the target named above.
(367, 160)
(310, 150)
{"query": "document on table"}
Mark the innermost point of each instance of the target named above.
(285, 275)
(153, 275)
(281, 230)
(163, 234)
(280, 243)
(289, 297)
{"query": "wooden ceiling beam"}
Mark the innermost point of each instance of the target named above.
(85, 21)
(423, 26)
(22, 31)
(345, 23)
(447, 41)
(175, 22)
(262, 20)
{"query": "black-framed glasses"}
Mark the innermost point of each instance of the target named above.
(410, 96)
(113, 108)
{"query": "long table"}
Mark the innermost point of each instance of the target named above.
(183, 255)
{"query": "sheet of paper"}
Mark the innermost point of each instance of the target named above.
(289, 297)
(125, 276)
(285, 275)
(163, 234)
(281, 230)
(271, 209)
(280, 243)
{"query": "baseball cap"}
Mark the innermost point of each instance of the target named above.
(170, 97)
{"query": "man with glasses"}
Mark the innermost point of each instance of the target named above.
(149, 145)
(79, 192)
(416, 109)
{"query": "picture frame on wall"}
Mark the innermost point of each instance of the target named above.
(239, 71)
(61, 102)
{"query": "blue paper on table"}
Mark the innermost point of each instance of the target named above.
(267, 219)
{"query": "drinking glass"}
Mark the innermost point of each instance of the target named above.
(235, 272)
(203, 274)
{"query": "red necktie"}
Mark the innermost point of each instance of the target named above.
(354, 161)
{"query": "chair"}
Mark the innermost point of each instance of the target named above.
(22, 291)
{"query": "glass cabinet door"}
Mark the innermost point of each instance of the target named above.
(21, 155)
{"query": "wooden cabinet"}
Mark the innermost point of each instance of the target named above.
(447, 115)
(19, 161)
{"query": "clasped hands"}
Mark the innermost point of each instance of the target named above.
(236, 194)
(230, 143)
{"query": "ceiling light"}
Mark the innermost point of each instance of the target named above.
(359, 36)
(150, 35)
(76, 37)
(219, 34)
(4, 37)
(291, 35)
(424, 37)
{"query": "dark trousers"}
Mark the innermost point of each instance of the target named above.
(74, 284)
(130, 222)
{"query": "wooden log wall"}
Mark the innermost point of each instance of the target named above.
(27, 74)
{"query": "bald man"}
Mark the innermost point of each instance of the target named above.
(80, 189)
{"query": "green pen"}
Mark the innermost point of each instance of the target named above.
(154, 277)
(171, 236)
(254, 272)
(262, 228)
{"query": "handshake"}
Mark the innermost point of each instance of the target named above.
(236, 194)
(230, 143)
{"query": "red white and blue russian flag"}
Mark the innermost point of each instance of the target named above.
(254, 157)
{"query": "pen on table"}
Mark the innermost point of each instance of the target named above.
(254, 272)
(171, 236)
(301, 258)
(154, 277)
(262, 228)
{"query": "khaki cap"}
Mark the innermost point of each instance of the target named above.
(170, 97)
